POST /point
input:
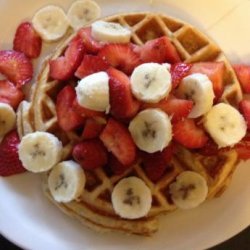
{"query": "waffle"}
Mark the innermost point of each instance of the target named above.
(94, 208)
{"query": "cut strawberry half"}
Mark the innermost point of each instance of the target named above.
(16, 67)
(9, 159)
(209, 149)
(214, 71)
(243, 148)
(92, 129)
(10, 94)
(68, 118)
(89, 65)
(118, 140)
(244, 107)
(159, 50)
(178, 72)
(122, 103)
(188, 134)
(120, 56)
(27, 40)
(64, 67)
(116, 166)
(243, 73)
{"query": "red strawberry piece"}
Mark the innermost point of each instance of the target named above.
(92, 46)
(9, 159)
(214, 71)
(243, 148)
(68, 119)
(16, 67)
(158, 50)
(188, 134)
(65, 66)
(27, 40)
(90, 154)
(10, 94)
(243, 73)
(178, 72)
(174, 107)
(122, 103)
(91, 64)
(92, 128)
(120, 56)
(116, 166)
(244, 107)
(209, 149)
(118, 140)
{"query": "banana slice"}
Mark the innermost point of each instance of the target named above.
(198, 88)
(131, 198)
(82, 12)
(93, 92)
(151, 130)
(225, 125)
(7, 118)
(167, 66)
(51, 23)
(189, 190)
(66, 181)
(39, 151)
(150, 82)
(110, 32)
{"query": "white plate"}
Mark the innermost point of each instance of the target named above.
(29, 220)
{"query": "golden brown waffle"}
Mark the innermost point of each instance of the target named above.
(94, 208)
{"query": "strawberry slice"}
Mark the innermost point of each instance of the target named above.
(243, 148)
(158, 50)
(90, 154)
(178, 72)
(116, 166)
(16, 67)
(243, 73)
(122, 103)
(188, 134)
(68, 119)
(118, 140)
(214, 71)
(120, 56)
(92, 129)
(174, 107)
(27, 40)
(244, 107)
(210, 148)
(10, 94)
(89, 65)
(9, 159)
(64, 67)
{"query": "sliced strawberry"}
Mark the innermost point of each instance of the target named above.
(243, 148)
(158, 50)
(188, 134)
(9, 159)
(244, 107)
(89, 65)
(90, 154)
(178, 72)
(175, 107)
(92, 129)
(120, 56)
(116, 166)
(209, 149)
(16, 67)
(65, 66)
(27, 40)
(118, 140)
(243, 73)
(92, 46)
(68, 119)
(214, 71)
(122, 103)
(10, 94)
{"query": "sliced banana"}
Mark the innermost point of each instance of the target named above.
(7, 118)
(198, 88)
(110, 32)
(51, 23)
(93, 92)
(189, 190)
(83, 11)
(225, 125)
(167, 66)
(66, 181)
(150, 82)
(131, 198)
(151, 130)
(39, 151)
